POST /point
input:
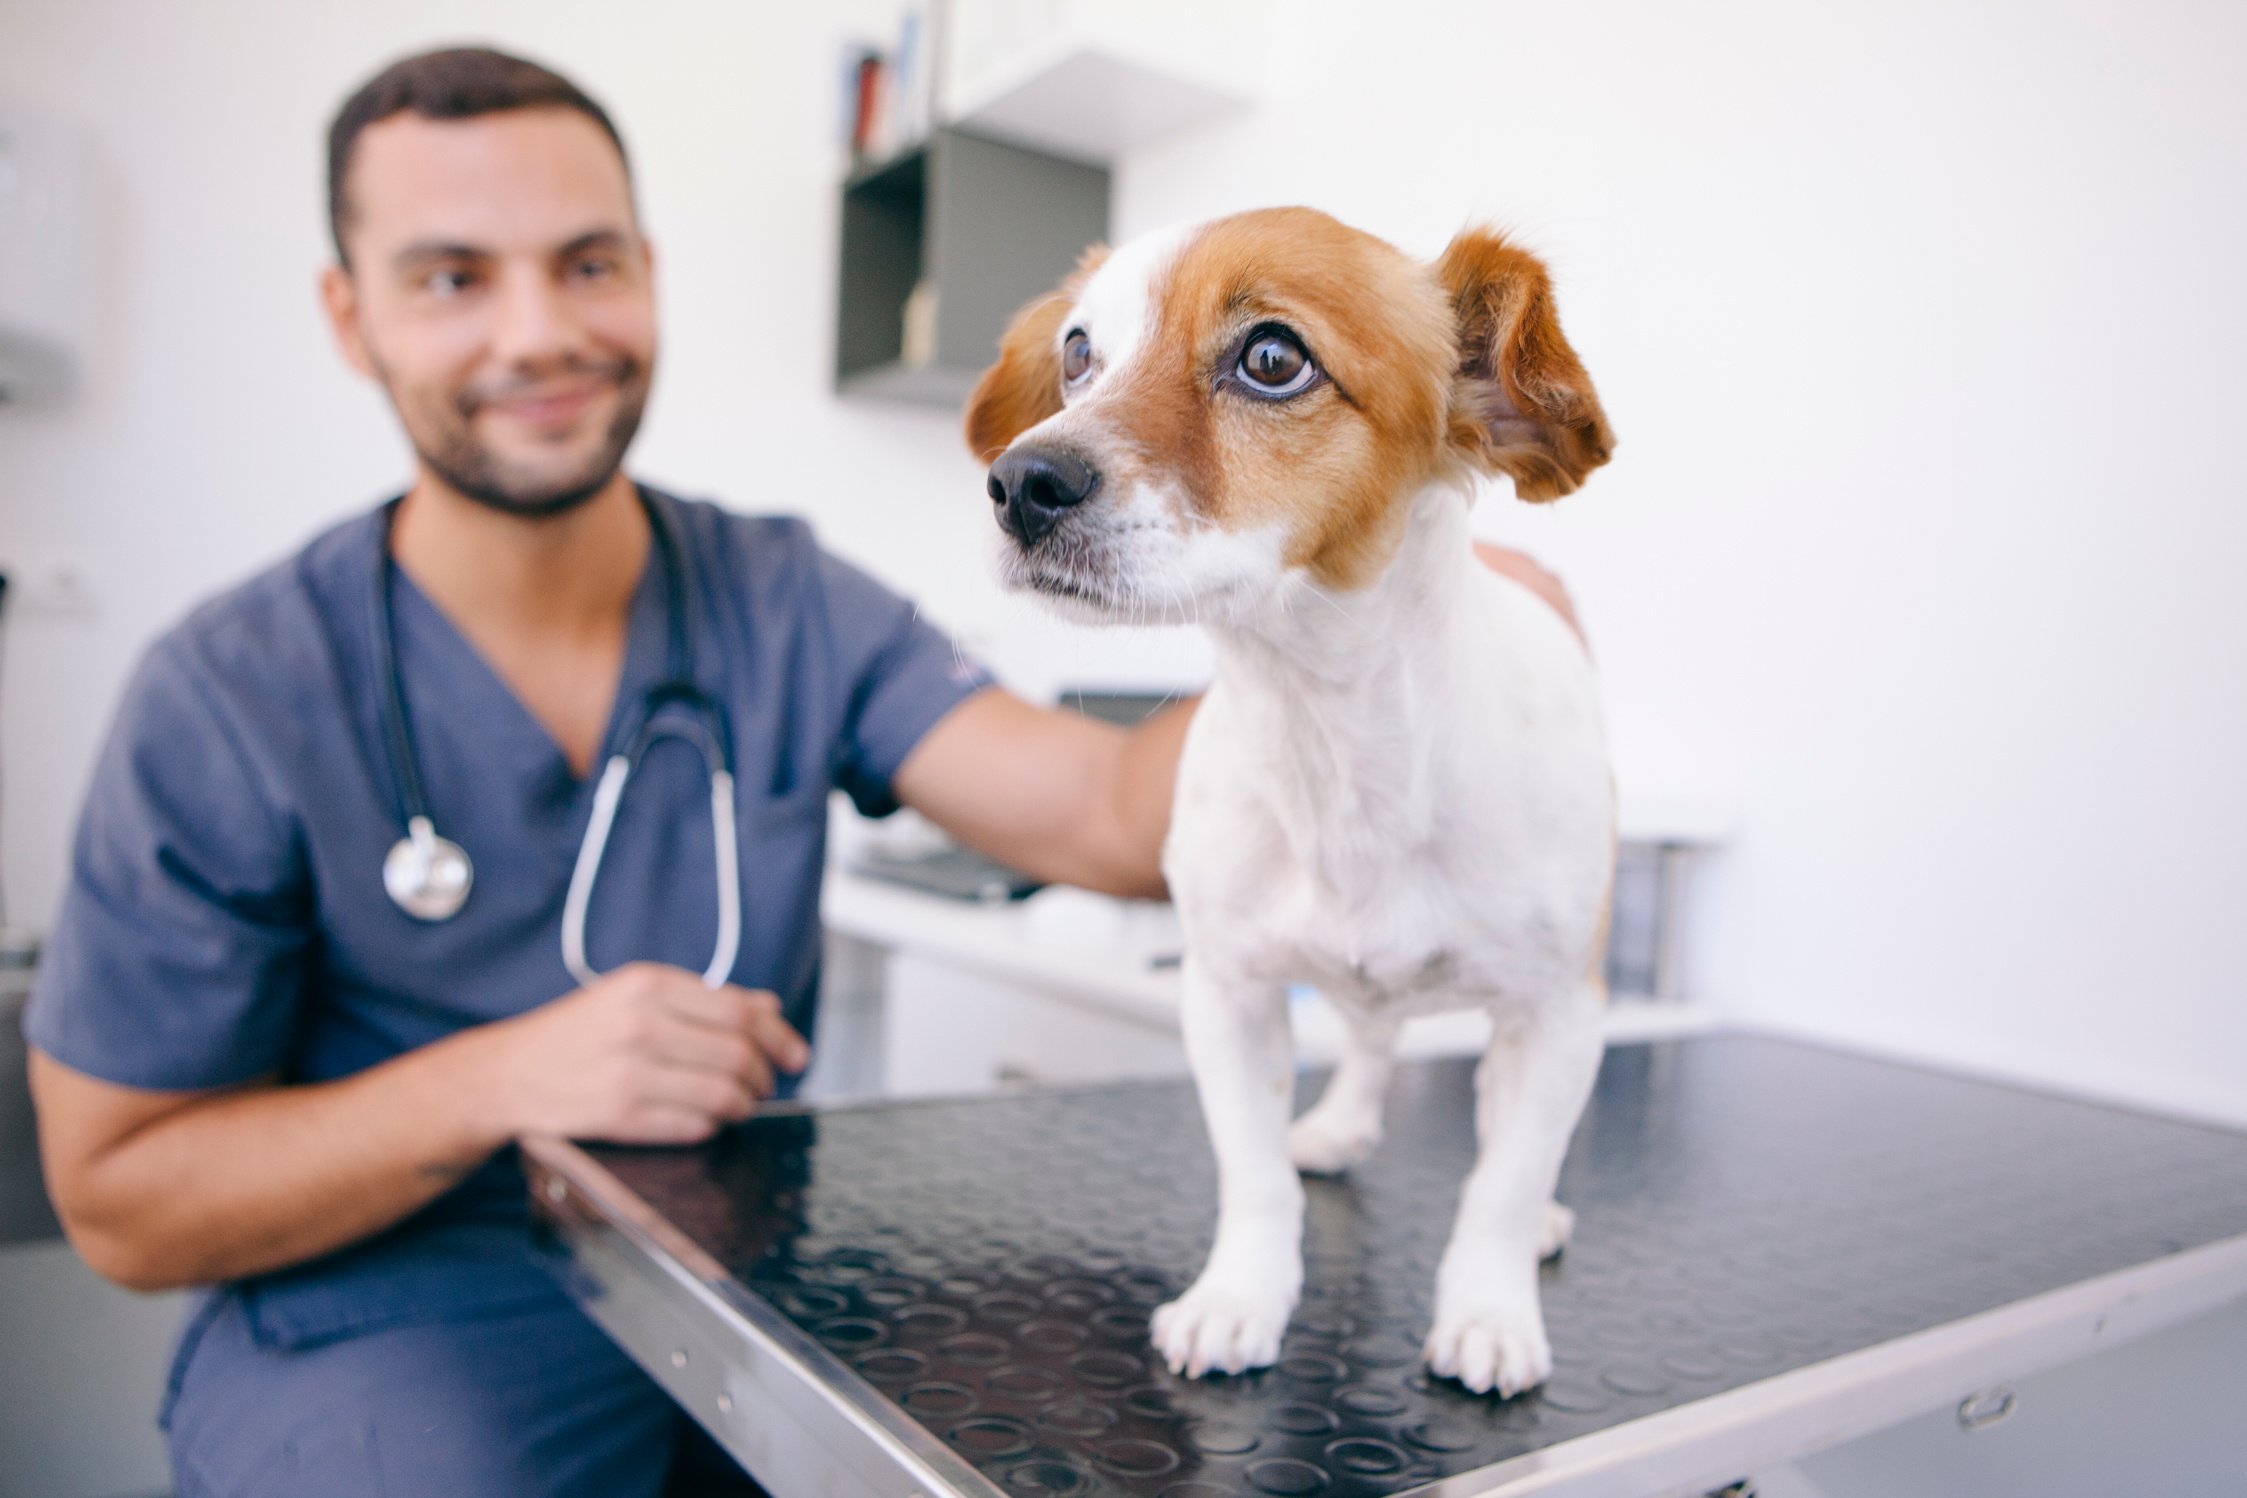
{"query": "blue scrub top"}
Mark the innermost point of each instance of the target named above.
(226, 919)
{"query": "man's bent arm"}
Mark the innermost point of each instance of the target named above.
(180, 1188)
(162, 1189)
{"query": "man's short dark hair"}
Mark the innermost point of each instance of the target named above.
(455, 83)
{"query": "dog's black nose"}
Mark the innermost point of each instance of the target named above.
(1034, 487)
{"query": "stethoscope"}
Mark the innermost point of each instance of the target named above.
(428, 876)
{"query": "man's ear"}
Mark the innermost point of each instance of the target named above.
(1521, 403)
(1024, 387)
(339, 298)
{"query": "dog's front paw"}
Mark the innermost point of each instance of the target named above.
(1324, 1144)
(1221, 1327)
(1490, 1345)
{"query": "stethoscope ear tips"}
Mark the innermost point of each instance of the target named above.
(427, 876)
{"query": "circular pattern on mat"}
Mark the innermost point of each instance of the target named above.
(990, 1265)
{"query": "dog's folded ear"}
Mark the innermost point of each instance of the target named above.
(1024, 387)
(1521, 403)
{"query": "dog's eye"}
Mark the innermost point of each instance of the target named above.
(1275, 364)
(1076, 357)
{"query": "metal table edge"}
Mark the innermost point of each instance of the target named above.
(894, 1441)
(1725, 1437)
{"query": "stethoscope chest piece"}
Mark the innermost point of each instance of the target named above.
(427, 876)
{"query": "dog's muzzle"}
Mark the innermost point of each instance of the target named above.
(1033, 488)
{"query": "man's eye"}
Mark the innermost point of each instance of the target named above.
(447, 283)
(600, 268)
(1273, 363)
(1076, 357)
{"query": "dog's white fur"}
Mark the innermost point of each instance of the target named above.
(1398, 792)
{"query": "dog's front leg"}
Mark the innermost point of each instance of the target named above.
(1533, 1082)
(1237, 1041)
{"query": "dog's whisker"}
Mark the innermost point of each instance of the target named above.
(1333, 603)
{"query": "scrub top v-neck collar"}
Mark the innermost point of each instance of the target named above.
(530, 754)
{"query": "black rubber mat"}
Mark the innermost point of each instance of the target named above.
(1745, 1207)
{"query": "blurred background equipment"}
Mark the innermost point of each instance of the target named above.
(48, 258)
(25, 1215)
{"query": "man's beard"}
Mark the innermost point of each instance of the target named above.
(455, 456)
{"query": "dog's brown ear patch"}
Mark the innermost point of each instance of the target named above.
(1521, 403)
(1024, 387)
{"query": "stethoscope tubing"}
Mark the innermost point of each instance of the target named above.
(607, 796)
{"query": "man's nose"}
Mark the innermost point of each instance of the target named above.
(532, 320)
(1033, 487)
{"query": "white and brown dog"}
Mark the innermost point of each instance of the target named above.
(1397, 788)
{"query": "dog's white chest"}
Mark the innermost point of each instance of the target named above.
(1365, 942)
(1410, 853)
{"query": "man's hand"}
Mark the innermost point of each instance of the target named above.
(647, 1054)
(1524, 569)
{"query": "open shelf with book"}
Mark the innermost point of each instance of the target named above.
(940, 244)
(981, 139)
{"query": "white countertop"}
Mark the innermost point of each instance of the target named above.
(1102, 954)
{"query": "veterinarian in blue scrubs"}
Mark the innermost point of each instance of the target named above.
(227, 924)
(263, 1072)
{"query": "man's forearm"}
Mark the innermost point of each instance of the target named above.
(1146, 783)
(162, 1189)
(241, 1182)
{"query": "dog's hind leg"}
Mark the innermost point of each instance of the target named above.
(1560, 1223)
(1489, 1329)
(1344, 1125)
(1231, 1318)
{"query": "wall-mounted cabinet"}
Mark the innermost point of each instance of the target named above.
(940, 246)
(1082, 101)
(941, 243)
(1097, 80)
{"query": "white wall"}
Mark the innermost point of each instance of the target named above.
(1922, 326)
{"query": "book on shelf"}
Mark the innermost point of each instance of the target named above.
(889, 95)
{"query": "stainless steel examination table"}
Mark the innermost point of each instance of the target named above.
(1777, 1248)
